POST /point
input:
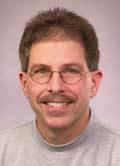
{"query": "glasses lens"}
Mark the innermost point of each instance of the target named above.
(71, 78)
(41, 76)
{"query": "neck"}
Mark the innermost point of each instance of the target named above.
(59, 136)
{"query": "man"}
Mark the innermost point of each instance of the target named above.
(59, 57)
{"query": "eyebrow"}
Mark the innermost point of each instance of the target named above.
(36, 66)
(80, 66)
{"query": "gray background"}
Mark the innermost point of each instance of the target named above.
(103, 14)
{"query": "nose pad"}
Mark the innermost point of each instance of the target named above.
(56, 83)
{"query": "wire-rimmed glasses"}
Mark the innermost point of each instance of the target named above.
(68, 75)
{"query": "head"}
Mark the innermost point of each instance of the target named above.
(59, 41)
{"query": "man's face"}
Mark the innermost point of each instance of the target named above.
(56, 103)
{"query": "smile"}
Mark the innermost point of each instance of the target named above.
(56, 108)
(56, 104)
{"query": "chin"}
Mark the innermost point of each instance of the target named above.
(59, 123)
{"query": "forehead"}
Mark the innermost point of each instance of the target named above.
(57, 54)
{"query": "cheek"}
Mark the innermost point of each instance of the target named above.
(81, 90)
(34, 90)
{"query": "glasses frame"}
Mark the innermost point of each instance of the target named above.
(60, 74)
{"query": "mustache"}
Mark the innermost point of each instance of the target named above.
(56, 96)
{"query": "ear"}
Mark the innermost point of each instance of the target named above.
(96, 79)
(23, 82)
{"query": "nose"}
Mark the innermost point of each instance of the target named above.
(56, 83)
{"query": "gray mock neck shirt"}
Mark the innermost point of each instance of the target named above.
(97, 145)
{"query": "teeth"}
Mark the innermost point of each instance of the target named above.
(56, 104)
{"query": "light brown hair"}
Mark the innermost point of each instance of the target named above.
(59, 24)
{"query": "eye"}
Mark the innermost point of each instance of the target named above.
(42, 70)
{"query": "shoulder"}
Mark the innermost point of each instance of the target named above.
(106, 130)
(102, 130)
(14, 135)
(113, 139)
(14, 142)
(108, 135)
(104, 134)
(107, 139)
